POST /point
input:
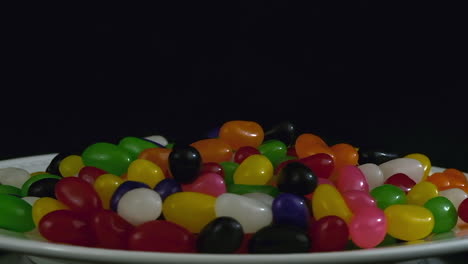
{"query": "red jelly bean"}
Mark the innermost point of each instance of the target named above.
(90, 174)
(112, 231)
(65, 226)
(291, 152)
(321, 164)
(329, 233)
(463, 210)
(402, 181)
(78, 194)
(212, 167)
(244, 152)
(161, 236)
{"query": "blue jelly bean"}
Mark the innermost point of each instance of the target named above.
(123, 189)
(291, 209)
(167, 187)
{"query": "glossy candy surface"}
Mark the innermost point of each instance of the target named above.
(373, 174)
(274, 150)
(43, 188)
(321, 164)
(140, 205)
(185, 163)
(15, 214)
(71, 165)
(241, 133)
(284, 131)
(402, 181)
(368, 227)
(107, 157)
(387, 194)
(291, 209)
(207, 183)
(255, 170)
(27, 184)
(351, 178)
(421, 193)
(122, 189)
(425, 162)
(409, 222)
(13, 176)
(279, 239)
(309, 144)
(222, 235)
(411, 167)
(112, 231)
(445, 214)
(327, 200)
(145, 171)
(134, 146)
(213, 150)
(105, 186)
(329, 233)
(167, 187)
(44, 206)
(78, 195)
(297, 178)
(159, 156)
(463, 210)
(356, 200)
(90, 174)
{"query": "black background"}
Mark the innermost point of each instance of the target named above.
(388, 75)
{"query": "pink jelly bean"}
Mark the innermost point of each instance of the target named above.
(402, 181)
(368, 227)
(351, 178)
(356, 200)
(321, 164)
(207, 183)
(325, 181)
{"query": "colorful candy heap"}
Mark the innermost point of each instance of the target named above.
(245, 191)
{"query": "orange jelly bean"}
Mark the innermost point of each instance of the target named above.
(158, 156)
(241, 133)
(308, 144)
(441, 180)
(457, 178)
(213, 150)
(345, 154)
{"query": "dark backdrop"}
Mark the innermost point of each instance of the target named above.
(386, 75)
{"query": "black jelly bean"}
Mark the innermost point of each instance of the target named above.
(185, 163)
(376, 156)
(43, 188)
(279, 239)
(297, 178)
(222, 235)
(284, 131)
(53, 167)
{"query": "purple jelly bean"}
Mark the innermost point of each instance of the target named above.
(291, 209)
(123, 189)
(167, 187)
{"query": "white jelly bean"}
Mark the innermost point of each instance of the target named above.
(30, 199)
(262, 197)
(455, 195)
(13, 176)
(250, 213)
(140, 205)
(411, 167)
(158, 139)
(374, 175)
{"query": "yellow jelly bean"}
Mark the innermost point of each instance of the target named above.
(44, 206)
(145, 171)
(421, 193)
(425, 161)
(191, 210)
(409, 222)
(71, 165)
(105, 185)
(254, 170)
(327, 200)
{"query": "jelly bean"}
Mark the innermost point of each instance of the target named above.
(158, 139)
(71, 165)
(229, 168)
(376, 156)
(284, 132)
(387, 195)
(134, 146)
(90, 174)
(457, 174)
(53, 167)
(292, 152)
(411, 167)
(7, 189)
(241, 133)
(245, 188)
(30, 199)
(281, 166)
(108, 157)
(191, 210)
(455, 195)
(112, 231)
(351, 178)
(445, 214)
(251, 214)
(145, 171)
(425, 161)
(409, 222)
(463, 210)
(297, 178)
(105, 186)
(244, 152)
(167, 187)
(27, 184)
(457, 179)
(15, 214)
(441, 180)
(309, 144)
(13, 176)
(207, 183)
(262, 197)
(254, 170)
(321, 164)
(122, 189)
(274, 150)
(185, 163)
(402, 181)
(279, 239)
(139, 206)
(329, 233)
(213, 150)
(44, 206)
(159, 156)
(212, 167)
(222, 235)
(43, 188)
(421, 193)
(290, 209)
(356, 200)
(345, 154)
(77, 194)
(161, 236)
(368, 227)
(325, 181)
(69, 227)
(328, 201)
(374, 175)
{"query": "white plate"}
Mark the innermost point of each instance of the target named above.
(45, 252)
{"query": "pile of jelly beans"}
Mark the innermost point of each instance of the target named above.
(244, 190)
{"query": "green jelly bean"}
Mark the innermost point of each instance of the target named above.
(445, 214)
(15, 214)
(387, 194)
(170, 145)
(135, 146)
(8, 189)
(229, 168)
(274, 150)
(33, 179)
(246, 188)
(108, 157)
